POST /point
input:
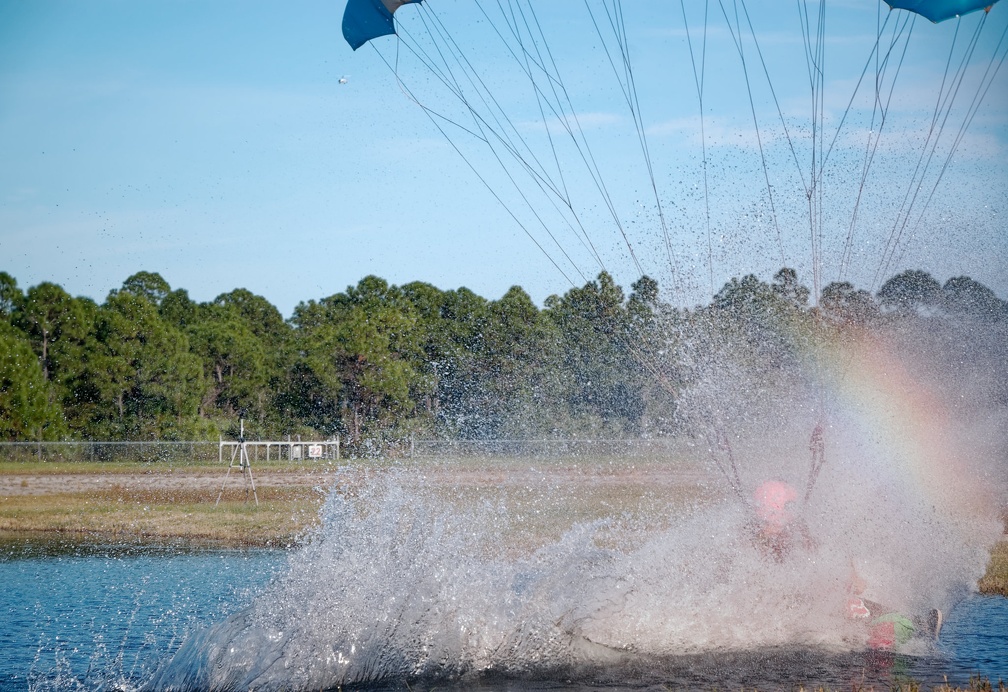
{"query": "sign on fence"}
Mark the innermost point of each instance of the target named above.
(314, 451)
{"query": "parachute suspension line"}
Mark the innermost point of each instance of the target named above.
(934, 120)
(560, 110)
(642, 348)
(724, 460)
(625, 82)
(811, 186)
(436, 121)
(879, 110)
(900, 30)
(645, 149)
(889, 240)
(401, 41)
(563, 104)
(539, 96)
(944, 108)
(526, 65)
(736, 35)
(594, 167)
(817, 232)
(499, 133)
(815, 64)
(506, 135)
(580, 142)
(636, 347)
(646, 360)
(698, 79)
(629, 87)
(581, 145)
(978, 97)
(817, 447)
(773, 93)
(549, 188)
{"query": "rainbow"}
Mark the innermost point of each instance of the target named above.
(914, 432)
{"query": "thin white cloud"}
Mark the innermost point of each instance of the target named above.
(586, 121)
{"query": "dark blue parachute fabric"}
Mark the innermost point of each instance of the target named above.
(364, 20)
(940, 10)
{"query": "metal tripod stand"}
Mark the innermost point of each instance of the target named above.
(244, 464)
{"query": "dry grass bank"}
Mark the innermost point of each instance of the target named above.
(138, 503)
(995, 581)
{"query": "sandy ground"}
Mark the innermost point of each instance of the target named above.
(17, 484)
(43, 506)
(108, 503)
(20, 485)
(116, 505)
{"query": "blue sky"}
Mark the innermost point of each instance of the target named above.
(214, 143)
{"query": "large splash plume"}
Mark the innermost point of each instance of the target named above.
(456, 569)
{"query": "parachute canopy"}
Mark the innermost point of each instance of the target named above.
(364, 20)
(940, 10)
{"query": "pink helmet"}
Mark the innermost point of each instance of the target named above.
(772, 500)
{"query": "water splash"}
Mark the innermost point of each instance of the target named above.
(546, 569)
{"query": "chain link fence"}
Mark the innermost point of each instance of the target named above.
(211, 452)
(546, 448)
(120, 451)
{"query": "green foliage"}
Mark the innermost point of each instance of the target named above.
(518, 359)
(58, 328)
(910, 292)
(27, 407)
(603, 371)
(44, 315)
(378, 361)
(234, 365)
(766, 325)
(10, 295)
(841, 303)
(149, 285)
(178, 309)
(141, 371)
(360, 348)
(451, 331)
(963, 296)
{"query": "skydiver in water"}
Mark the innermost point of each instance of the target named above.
(778, 528)
(889, 628)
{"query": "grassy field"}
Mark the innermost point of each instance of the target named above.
(135, 503)
(56, 506)
(149, 504)
(995, 581)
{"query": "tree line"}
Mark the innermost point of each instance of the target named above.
(380, 361)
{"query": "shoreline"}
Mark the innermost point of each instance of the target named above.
(60, 508)
(132, 505)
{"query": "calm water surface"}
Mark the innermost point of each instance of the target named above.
(110, 620)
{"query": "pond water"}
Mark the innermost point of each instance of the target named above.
(111, 619)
